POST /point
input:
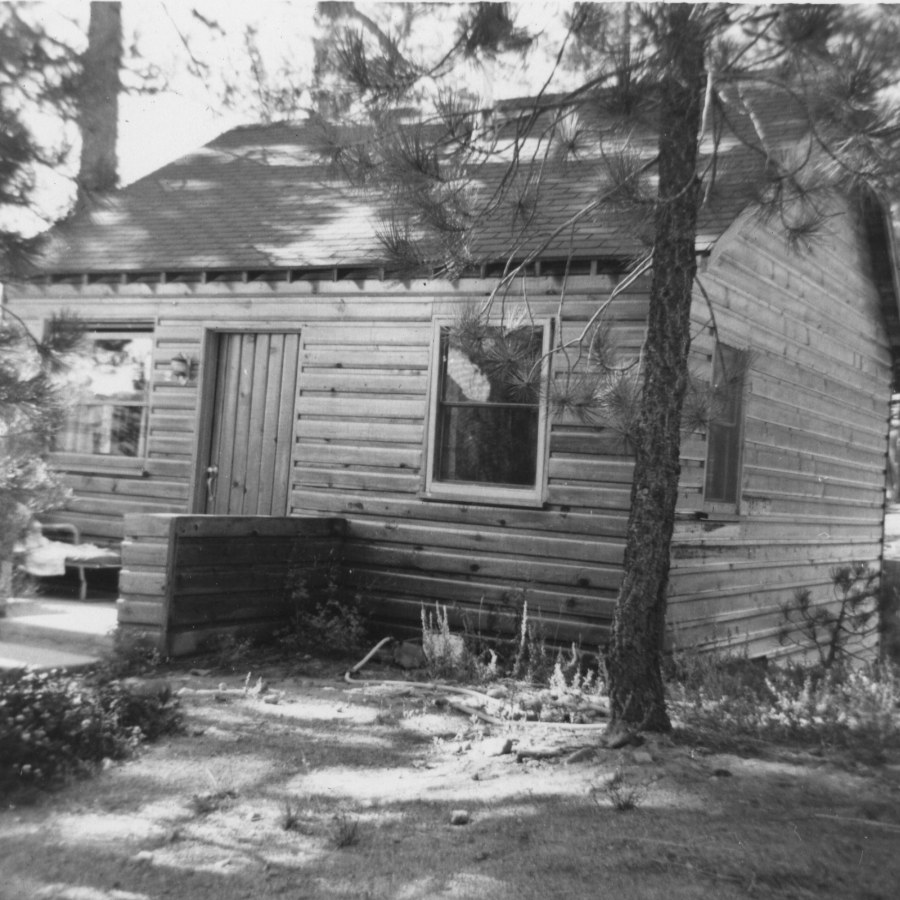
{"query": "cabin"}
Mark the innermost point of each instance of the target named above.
(256, 370)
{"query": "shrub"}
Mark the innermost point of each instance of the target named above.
(54, 725)
(836, 707)
(838, 631)
(327, 613)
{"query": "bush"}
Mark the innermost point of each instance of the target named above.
(54, 725)
(840, 630)
(326, 612)
(832, 707)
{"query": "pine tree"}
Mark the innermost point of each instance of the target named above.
(690, 68)
(43, 76)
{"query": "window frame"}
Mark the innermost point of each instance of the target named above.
(99, 330)
(718, 504)
(470, 492)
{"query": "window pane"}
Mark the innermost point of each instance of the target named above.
(109, 386)
(724, 439)
(488, 416)
(498, 367)
(488, 445)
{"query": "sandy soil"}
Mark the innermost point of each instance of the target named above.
(313, 788)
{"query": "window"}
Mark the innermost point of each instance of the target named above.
(111, 378)
(487, 422)
(723, 453)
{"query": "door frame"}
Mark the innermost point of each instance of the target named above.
(206, 396)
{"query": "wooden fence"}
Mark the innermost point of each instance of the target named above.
(187, 579)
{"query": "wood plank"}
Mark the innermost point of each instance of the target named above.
(132, 612)
(254, 526)
(500, 541)
(553, 519)
(607, 470)
(236, 484)
(485, 596)
(589, 496)
(345, 455)
(256, 426)
(269, 443)
(221, 454)
(511, 571)
(136, 582)
(344, 358)
(287, 419)
(353, 480)
(383, 431)
(368, 408)
(224, 583)
(364, 381)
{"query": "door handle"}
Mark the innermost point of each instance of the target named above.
(211, 476)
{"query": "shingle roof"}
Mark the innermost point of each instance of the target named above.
(261, 197)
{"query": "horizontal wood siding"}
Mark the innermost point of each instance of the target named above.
(361, 407)
(362, 420)
(814, 440)
(816, 409)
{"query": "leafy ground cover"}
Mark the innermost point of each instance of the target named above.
(289, 782)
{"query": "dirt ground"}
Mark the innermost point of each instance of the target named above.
(315, 788)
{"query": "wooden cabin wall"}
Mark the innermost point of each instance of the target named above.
(814, 443)
(814, 454)
(358, 453)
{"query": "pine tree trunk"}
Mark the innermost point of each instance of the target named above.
(99, 101)
(633, 664)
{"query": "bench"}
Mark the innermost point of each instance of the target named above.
(92, 558)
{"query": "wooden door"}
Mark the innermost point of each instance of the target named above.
(248, 468)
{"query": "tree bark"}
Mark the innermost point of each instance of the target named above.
(99, 101)
(633, 663)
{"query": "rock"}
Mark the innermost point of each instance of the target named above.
(581, 755)
(148, 687)
(409, 655)
(459, 817)
(526, 753)
(613, 740)
(497, 746)
(642, 757)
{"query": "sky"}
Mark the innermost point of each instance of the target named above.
(154, 130)
(188, 111)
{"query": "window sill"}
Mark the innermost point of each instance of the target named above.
(472, 495)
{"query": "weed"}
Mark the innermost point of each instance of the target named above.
(833, 707)
(291, 819)
(344, 831)
(211, 801)
(445, 652)
(134, 653)
(622, 793)
(532, 661)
